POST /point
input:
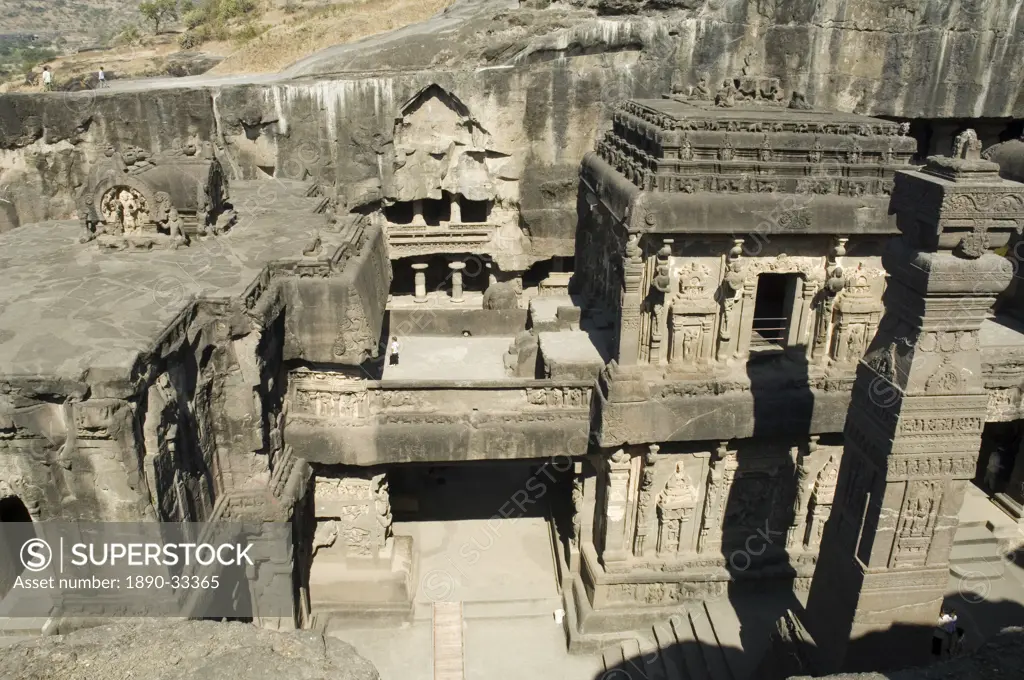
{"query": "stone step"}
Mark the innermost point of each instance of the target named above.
(541, 607)
(686, 638)
(714, 657)
(651, 659)
(965, 553)
(974, 535)
(18, 626)
(671, 652)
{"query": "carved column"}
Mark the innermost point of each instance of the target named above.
(732, 284)
(618, 508)
(457, 268)
(646, 500)
(746, 322)
(353, 515)
(802, 497)
(629, 333)
(456, 211)
(417, 213)
(913, 429)
(676, 348)
(421, 281)
(803, 329)
(714, 500)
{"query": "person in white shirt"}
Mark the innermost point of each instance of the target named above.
(102, 78)
(47, 78)
(394, 350)
(941, 638)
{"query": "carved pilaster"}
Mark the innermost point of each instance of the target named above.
(646, 501)
(632, 297)
(619, 507)
(714, 499)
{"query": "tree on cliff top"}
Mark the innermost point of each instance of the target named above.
(158, 11)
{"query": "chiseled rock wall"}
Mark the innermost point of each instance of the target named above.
(540, 82)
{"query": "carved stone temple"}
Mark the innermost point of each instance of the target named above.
(724, 383)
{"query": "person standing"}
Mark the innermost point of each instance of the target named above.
(47, 79)
(394, 350)
(102, 77)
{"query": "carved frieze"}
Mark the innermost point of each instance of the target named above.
(559, 397)
(694, 280)
(810, 267)
(665, 593)
(902, 467)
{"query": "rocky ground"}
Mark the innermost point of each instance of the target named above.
(1001, 658)
(184, 650)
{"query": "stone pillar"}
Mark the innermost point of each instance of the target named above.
(417, 213)
(913, 429)
(421, 281)
(491, 278)
(618, 509)
(629, 331)
(646, 501)
(457, 268)
(676, 348)
(803, 329)
(356, 560)
(456, 211)
(746, 320)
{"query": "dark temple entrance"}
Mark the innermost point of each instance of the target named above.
(482, 529)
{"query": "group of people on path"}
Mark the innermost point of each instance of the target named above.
(101, 79)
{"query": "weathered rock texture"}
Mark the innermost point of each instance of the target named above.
(538, 81)
(183, 650)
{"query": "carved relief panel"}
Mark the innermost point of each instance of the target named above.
(676, 507)
(693, 314)
(916, 525)
(353, 514)
(858, 311)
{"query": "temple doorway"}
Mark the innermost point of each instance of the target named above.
(482, 531)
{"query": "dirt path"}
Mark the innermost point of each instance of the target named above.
(333, 59)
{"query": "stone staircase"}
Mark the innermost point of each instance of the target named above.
(449, 648)
(975, 548)
(983, 537)
(685, 647)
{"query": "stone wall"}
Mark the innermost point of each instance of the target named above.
(334, 419)
(542, 94)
